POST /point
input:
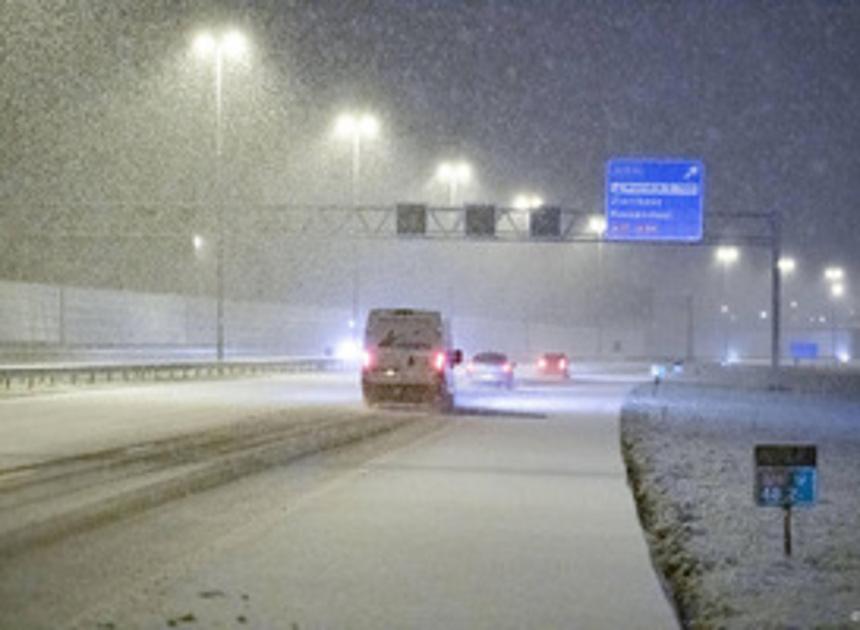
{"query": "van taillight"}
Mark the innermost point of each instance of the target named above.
(369, 359)
(439, 360)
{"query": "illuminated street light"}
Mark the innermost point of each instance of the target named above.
(198, 242)
(355, 128)
(230, 44)
(454, 174)
(727, 255)
(834, 274)
(527, 202)
(597, 224)
(787, 265)
(837, 291)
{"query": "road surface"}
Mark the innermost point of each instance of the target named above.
(512, 513)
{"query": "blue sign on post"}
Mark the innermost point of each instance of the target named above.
(785, 475)
(654, 200)
(804, 350)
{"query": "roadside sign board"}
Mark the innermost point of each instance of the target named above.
(785, 475)
(654, 199)
(803, 350)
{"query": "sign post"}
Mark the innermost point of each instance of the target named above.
(785, 477)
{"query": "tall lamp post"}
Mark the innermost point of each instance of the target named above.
(597, 226)
(218, 47)
(454, 175)
(355, 128)
(835, 277)
(726, 257)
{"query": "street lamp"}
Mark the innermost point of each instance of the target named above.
(834, 274)
(597, 224)
(837, 291)
(454, 174)
(355, 128)
(786, 265)
(726, 257)
(230, 44)
(527, 202)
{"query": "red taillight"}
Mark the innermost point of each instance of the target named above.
(542, 364)
(439, 360)
(562, 364)
(369, 359)
(506, 367)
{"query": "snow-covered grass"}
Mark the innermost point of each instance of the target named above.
(689, 452)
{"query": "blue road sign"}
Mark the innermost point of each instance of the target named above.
(785, 475)
(654, 200)
(778, 487)
(804, 350)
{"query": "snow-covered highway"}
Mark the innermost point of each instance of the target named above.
(513, 512)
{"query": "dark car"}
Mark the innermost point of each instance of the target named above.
(493, 368)
(554, 364)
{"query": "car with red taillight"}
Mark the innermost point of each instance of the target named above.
(491, 368)
(407, 357)
(553, 364)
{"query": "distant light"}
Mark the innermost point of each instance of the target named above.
(724, 309)
(369, 126)
(837, 290)
(834, 274)
(527, 202)
(822, 319)
(464, 172)
(204, 44)
(843, 356)
(345, 125)
(456, 172)
(727, 255)
(234, 44)
(793, 304)
(786, 265)
(198, 242)
(597, 224)
(351, 324)
(347, 350)
(732, 356)
(762, 315)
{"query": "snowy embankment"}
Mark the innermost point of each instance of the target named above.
(689, 451)
(831, 380)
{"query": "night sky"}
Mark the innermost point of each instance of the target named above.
(537, 95)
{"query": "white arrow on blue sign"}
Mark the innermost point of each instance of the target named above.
(654, 199)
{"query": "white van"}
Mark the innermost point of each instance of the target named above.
(407, 357)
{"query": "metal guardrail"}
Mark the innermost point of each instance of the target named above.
(32, 376)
